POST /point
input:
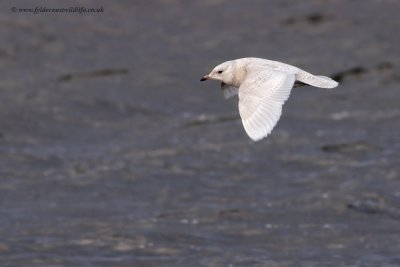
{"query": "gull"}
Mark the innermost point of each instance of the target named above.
(262, 86)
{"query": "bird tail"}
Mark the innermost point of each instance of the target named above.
(317, 81)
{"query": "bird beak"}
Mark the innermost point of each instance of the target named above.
(205, 78)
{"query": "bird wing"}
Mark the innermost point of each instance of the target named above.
(261, 97)
(228, 90)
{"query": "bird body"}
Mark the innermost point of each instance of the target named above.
(262, 86)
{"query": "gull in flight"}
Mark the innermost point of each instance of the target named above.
(262, 86)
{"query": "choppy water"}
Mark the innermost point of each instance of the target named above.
(113, 154)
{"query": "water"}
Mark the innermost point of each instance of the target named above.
(114, 154)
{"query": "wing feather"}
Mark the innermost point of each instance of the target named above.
(261, 97)
(228, 90)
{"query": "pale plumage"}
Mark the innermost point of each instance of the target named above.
(263, 86)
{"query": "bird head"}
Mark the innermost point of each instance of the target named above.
(223, 72)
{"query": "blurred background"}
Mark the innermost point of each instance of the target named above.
(114, 154)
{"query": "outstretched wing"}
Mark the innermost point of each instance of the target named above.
(261, 97)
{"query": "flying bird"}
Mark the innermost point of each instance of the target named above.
(263, 86)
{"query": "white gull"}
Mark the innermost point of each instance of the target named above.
(262, 86)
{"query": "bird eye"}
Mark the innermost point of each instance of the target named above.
(220, 71)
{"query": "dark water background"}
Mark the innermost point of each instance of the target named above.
(112, 153)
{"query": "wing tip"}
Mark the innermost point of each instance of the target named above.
(256, 139)
(256, 134)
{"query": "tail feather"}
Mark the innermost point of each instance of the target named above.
(317, 81)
